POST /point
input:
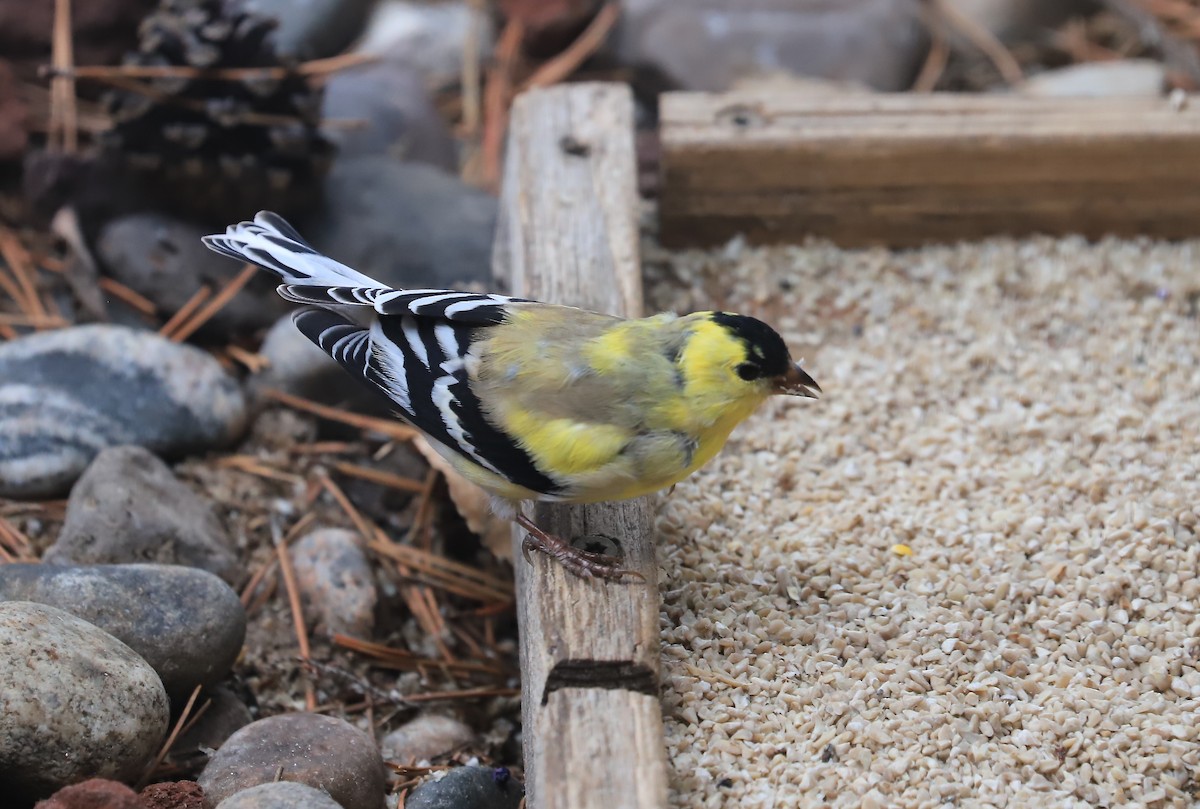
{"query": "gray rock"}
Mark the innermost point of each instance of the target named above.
(468, 788)
(398, 117)
(406, 224)
(186, 623)
(336, 581)
(1143, 78)
(129, 507)
(163, 259)
(67, 394)
(320, 751)
(312, 29)
(710, 44)
(295, 364)
(429, 36)
(280, 795)
(77, 703)
(425, 737)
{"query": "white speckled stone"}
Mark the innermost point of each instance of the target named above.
(75, 703)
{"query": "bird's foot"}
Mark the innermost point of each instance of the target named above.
(585, 564)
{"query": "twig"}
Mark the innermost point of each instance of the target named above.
(15, 543)
(128, 296)
(388, 479)
(169, 743)
(939, 55)
(981, 38)
(496, 98)
(391, 429)
(64, 115)
(22, 268)
(404, 660)
(471, 74)
(293, 594)
(232, 288)
(314, 68)
(567, 62)
(185, 311)
(34, 321)
(253, 362)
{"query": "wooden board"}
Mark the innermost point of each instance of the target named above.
(589, 649)
(903, 170)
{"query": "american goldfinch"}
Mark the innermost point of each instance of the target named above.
(535, 401)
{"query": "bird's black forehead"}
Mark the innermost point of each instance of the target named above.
(764, 346)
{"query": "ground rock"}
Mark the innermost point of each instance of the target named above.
(65, 395)
(320, 751)
(96, 793)
(78, 703)
(405, 224)
(425, 737)
(173, 795)
(336, 581)
(280, 795)
(710, 44)
(130, 507)
(398, 117)
(429, 36)
(1143, 78)
(186, 623)
(468, 788)
(312, 29)
(163, 259)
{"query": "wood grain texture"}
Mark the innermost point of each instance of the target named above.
(589, 649)
(908, 169)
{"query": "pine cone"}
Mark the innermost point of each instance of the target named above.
(216, 148)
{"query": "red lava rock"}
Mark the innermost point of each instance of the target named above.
(14, 115)
(173, 795)
(94, 794)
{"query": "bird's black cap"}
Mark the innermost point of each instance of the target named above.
(764, 347)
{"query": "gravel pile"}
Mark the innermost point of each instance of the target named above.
(968, 574)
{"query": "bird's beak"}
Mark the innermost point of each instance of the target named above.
(796, 382)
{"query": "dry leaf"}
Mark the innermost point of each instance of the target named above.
(473, 504)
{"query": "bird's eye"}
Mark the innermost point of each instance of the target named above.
(748, 371)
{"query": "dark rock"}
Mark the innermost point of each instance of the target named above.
(320, 751)
(405, 224)
(129, 507)
(225, 716)
(398, 118)
(186, 623)
(173, 795)
(425, 737)
(101, 29)
(14, 115)
(67, 394)
(710, 44)
(96, 793)
(280, 795)
(78, 703)
(312, 29)
(336, 582)
(468, 788)
(164, 260)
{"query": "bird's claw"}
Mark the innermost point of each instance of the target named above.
(585, 564)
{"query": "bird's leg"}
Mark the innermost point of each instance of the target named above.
(584, 564)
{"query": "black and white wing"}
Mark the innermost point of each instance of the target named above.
(415, 351)
(311, 277)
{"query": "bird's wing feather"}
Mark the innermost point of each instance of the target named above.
(420, 364)
(310, 277)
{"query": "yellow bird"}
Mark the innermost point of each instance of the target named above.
(535, 401)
